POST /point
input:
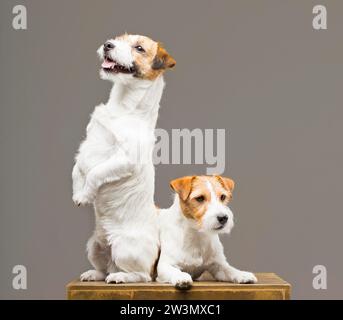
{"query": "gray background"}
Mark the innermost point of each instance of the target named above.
(256, 68)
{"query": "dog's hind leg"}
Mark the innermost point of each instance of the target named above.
(135, 260)
(99, 256)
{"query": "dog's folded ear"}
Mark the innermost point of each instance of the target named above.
(227, 183)
(182, 186)
(162, 60)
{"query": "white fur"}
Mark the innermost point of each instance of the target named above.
(187, 251)
(215, 208)
(114, 171)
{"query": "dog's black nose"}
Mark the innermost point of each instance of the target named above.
(222, 219)
(108, 46)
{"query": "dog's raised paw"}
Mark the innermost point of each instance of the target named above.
(243, 277)
(81, 199)
(92, 275)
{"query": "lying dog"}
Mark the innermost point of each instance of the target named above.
(189, 231)
(114, 167)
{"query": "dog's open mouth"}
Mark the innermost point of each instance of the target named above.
(219, 228)
(110, 65)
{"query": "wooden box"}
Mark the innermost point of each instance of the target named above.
(269, 287)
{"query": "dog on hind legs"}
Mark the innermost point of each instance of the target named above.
(189, 231)
(114, 168)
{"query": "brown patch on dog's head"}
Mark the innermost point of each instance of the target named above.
(162, 59)
(153, 62)
(227, 183)
(182, 186)
(195, 194)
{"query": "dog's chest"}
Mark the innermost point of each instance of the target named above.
(106, 135)
(126, 128)
(194, 256)
(192, 263)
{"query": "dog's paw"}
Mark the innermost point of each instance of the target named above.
(182, 281)
(82, 198)
(243, 277)
(115, 178)
(121, 175)
(117, 277)
(92, 275)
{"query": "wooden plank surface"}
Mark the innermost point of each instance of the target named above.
(269, 286)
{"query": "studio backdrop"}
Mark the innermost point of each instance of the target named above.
(256, 95)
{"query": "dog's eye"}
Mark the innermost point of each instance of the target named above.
(139, 48)
(200, 199)
(223, 197)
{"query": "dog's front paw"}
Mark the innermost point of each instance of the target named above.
(182, 281)
(115, 178)
(92, 275)
(82, 198)
(243, 277)
(116, 277)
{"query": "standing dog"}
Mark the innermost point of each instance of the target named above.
(189, 238)
(114, 168)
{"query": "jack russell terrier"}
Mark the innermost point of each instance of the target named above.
(114, 167)
(189, 231)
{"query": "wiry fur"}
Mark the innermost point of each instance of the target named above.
(190, 244)
(114, 169)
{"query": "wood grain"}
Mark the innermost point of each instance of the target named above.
(269, 287)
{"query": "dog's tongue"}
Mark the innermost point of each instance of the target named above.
(108, 64)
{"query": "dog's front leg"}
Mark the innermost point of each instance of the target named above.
(78, 182)
(113, 169)
(222, 271)
(167, 273)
